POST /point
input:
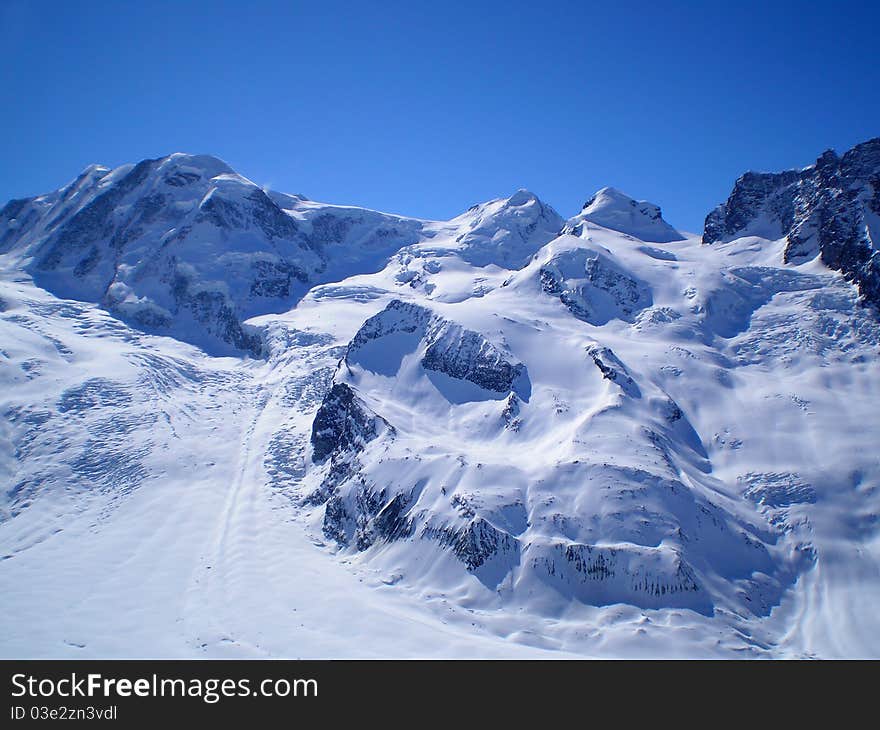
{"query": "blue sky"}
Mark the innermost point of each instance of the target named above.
(426, 108)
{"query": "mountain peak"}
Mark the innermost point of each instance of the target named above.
(507, 231)
(828, 209)
(209, 165)
(614, 209)
(522, 197)
(606, 195)
(93, 169)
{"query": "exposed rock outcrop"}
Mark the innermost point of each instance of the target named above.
(445, 346)
(594, 286)
(343, 423)
(830, 209)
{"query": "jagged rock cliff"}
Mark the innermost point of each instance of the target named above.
(830, 209)
(446, 348)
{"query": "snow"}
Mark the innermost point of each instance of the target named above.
(611, 442)
(611, 208)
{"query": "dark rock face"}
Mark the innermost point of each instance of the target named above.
(594, 287)
(397, 317)
(343, 423)
(640, 575)
(94, 220)
(449, 348)
(596, 563)
(510, 414)
(367, 516)
(212, 309)
(475, 543)
(752, 193)
(830, 209)
(13, 208)
(248, 210)
(275, 278)
(613, 369)
(467, 355)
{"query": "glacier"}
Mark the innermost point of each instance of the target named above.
(242, 423)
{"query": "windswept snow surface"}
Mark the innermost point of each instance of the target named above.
(611, 208)
(504, 435)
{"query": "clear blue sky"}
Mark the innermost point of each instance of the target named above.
(425, 108)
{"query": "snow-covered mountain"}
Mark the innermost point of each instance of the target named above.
(610, 208)
(830, 209)
(242, 423)
(185, 246)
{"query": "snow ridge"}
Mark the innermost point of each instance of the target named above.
(611, 208)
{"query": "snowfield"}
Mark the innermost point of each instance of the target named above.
(239, 423)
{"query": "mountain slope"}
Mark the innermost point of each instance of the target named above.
(184, 246)
(500, 435)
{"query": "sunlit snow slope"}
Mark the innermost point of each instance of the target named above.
(242, 423)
